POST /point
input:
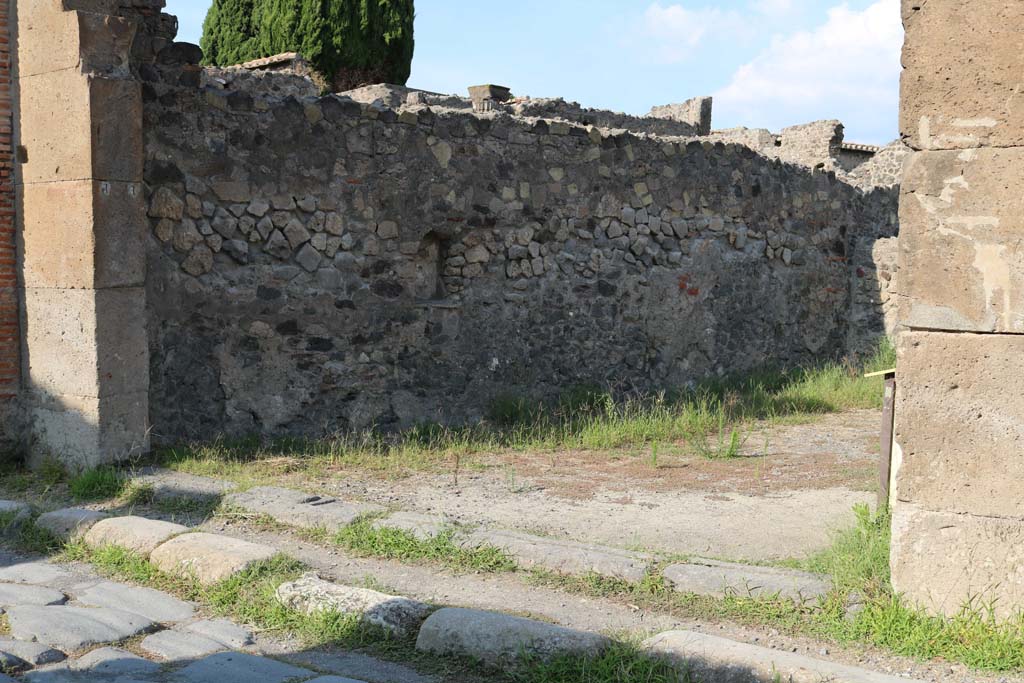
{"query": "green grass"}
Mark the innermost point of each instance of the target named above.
(98, 484)
(362, 538)
(249, 598)
(709, 420)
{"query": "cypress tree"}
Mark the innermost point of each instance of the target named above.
(351, 42)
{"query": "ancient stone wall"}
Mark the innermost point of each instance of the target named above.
(319, 264)
(958, 506)
(10, 329)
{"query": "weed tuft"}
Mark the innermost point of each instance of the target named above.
(98, 484)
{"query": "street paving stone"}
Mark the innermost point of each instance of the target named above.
(35, 573)
(223, 631)
(152, 604)
(239, 667)
(112, 661)
(15, 594)
(34, 654)
(208, 558)
(176, 646)
(75, 628)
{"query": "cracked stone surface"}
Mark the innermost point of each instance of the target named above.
(311, 594)
(74, 628)
(301, 509)
(152, 604)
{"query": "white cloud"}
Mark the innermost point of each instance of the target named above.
(672, 32)
(847, 68)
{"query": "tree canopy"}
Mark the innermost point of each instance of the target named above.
(350, 42)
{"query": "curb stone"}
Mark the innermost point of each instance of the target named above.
(718, 579)
(311, 594)
(208, 558)
(564, 557)
(138, 534)
(422, 527)
(712, 658)
(499, 639)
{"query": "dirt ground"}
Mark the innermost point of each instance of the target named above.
(793, 486)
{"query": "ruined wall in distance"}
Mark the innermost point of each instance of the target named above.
(318, 264)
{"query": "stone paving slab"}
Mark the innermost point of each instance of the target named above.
(239, 667)
(223, 631)
(711, 658)
(311, 594)
(137, 534)
(18, 594)
(34, 573)
(564, 557)
(359, 667)
(718, 579)
(500, 639)
(301, 509)
(334, 679)
(423, 527)
(207, 557)
(112, 662)
(35, 654)
(74, 628)
(69, 523)
(179, 645)
(152, 604)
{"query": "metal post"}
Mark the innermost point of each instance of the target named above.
(885, 461)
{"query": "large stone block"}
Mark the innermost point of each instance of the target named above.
(942, 560)
(959, 86)
(52, 39)
(76, 127)
(84, 342)
(85, 432)
(962, 241)
(960, 430)
(106, 221)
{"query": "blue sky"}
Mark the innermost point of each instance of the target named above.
(769, 63)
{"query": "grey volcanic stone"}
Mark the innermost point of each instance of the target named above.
(69, 523)
(35, 573)
(565, 557)
(111, 662)
(14, 508)
(421, 526)
(134, 533)
(239, 667)
(334, 679)
(499, 639)
(223, 631)
(73, 628)
(35, 654)
(710, 577)
(207, 557)
(710, 658)
(312, 594)
(147, 602)
(301, 509)
(19, 594)
(359, 667)
(179, 645)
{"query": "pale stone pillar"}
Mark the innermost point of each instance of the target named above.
(82, 229)
(958, 503)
